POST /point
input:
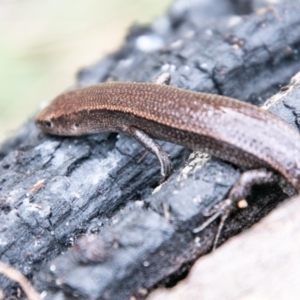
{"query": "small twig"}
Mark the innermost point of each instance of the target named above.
(18, 277)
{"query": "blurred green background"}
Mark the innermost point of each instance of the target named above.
(44, 43)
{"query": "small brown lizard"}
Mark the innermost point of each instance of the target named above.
(232, 130)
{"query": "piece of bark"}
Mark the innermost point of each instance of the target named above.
(263, 256)
(261, 263)
(152, 240)
(55, 189)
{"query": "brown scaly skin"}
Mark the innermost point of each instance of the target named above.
(232, 130)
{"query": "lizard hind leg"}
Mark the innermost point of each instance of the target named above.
(236, 199)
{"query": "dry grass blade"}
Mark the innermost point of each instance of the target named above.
(18, 277)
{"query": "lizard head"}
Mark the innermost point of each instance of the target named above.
(79, 112)
(60, 117)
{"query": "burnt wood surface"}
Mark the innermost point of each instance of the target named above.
(54, 190)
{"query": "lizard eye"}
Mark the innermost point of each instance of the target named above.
(48, 124)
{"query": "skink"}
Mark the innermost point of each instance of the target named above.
(224, 127)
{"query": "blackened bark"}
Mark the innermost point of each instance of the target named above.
(55, 189)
